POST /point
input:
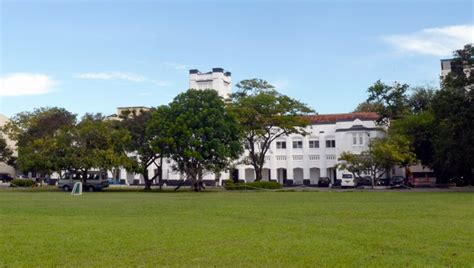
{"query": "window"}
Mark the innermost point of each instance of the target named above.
(281, 144)
(297, 144)
(358, 139)
(330, 144)
(313, 144)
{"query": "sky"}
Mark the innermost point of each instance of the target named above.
(94, 56)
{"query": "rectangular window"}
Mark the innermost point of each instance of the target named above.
(281, 144)
(297, 144)
(330, 144)
(354, 139)
(313, 144)
(361, 139)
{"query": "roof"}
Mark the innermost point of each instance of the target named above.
(333, 118)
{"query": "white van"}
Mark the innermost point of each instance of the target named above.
(347, 180)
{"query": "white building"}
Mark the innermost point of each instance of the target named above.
(4, 168)
(294, 159)
(446, 67)
(217, 79)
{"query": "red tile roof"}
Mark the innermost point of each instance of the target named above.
(333, 118)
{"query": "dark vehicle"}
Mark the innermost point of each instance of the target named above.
(398, 182)
(383, 182)
(363, 181)
(324, 182)
(5, 177)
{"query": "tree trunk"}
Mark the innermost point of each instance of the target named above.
(84, 176)
(160, 171)
(146, 180)
(258, 174)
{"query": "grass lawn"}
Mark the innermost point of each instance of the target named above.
(236, 229)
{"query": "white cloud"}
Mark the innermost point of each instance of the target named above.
(132, 77)
(280, 84)
(440, 41)
(22, 84)
(112, 76)
(176, 66)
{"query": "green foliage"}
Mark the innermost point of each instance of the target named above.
(6, 152)
(390, 100)
(420, 129)
(36, 135)
(256, 185)
(265, 115)
(141, 142)
(94, 144)
(382, 155)
(365, 106)
(421, 99)
(22, 183)
(198, 132)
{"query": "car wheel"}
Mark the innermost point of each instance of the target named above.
(66, 188)
(90, 188)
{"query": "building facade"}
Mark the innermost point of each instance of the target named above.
(217, 79)
(4, 168)
(294, 159)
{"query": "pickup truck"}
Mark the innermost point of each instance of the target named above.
(89, 185)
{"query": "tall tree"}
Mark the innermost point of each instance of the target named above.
(453, 110)
(265, 115)
(94, 144)
(421, 99)
(390, 100)
(35, 134)
(142, 143)
(200, 134)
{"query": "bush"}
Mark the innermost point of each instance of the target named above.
(231, 185)
(22, 183)
(265, 184)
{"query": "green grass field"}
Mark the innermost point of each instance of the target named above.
(357, 229)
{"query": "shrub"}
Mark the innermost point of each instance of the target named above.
(265, 184)
(231, 185)
(22, 183)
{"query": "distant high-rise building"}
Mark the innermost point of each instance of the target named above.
(217, 79)
(447, 66)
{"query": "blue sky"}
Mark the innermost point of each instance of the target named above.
(92, 56)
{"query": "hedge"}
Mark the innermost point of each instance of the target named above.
(231, 185)
(21, 183)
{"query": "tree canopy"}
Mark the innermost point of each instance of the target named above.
(200, 133)
(265, 115)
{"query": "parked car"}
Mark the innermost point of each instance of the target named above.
(398, 182)
(363, 181)
(324, 182)
(95, 181)
(347, 180)
(5, 177)
(383, 182)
